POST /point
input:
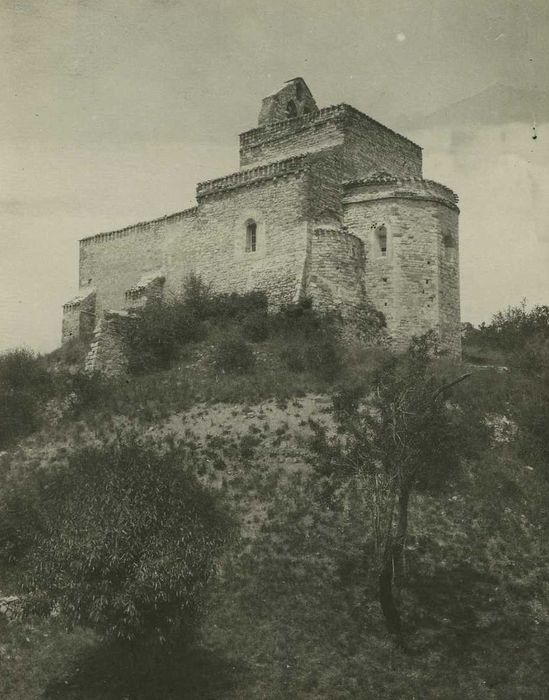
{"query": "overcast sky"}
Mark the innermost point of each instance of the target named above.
(112, 111)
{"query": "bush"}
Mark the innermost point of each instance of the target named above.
(123, 539)
(510, 330)
(323, 356)
(87, 390)
(256, 327)
(294, 358)
(25, 384)
(206, 304)
(153, 338)
(311, 339)
(71, 353)
(299, 319)
(233, 354)
(156, 333)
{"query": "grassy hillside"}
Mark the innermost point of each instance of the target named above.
(293, 611)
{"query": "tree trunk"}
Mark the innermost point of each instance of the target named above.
(387, 600)
(400, 538)
(393, 569)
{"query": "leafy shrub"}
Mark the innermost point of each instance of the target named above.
(156, 333)
(299, 318)
(154, 336)
(207, 304)
(122, 539)
(294, 358)
(25, 384)
(21, 369)
(256, 327)
(510, 330)
(323, 356)
(87, 390)
(311, 339)
(233, 354)
(71, 353)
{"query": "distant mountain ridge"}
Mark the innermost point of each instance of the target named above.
(497, 104)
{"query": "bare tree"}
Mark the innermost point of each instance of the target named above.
(397, 435)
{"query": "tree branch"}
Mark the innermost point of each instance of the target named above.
(451, 384)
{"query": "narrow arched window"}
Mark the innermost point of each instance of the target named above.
(251, 237)
(381, 241)
(449, 241)
(291, 109)
(449, 246)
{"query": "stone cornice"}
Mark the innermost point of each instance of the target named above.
(279, 129)
(385, 186)
(243, 178)
(135, 228)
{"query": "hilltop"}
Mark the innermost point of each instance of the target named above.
(293, 610)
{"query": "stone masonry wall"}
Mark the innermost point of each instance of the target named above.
(408, 284)
(115, 262)
(448, 265)
(334, 278)
(369, 147)
(292, 137)
(218, 253)
(324, 186)
(210, 241)
(79, 316)
(107, 353)
(294, 97)
(319, 187)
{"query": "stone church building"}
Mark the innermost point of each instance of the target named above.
(328, 203)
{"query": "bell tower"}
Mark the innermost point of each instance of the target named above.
(294, 99)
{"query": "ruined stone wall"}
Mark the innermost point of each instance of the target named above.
(334, 276)
(107, 354)
(294, 99)
(71, 322)
(79, 316)
(409, 283)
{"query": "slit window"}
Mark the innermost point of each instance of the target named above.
(381, 238)
(251, 237)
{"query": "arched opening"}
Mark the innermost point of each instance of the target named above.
(251, 236)
(449, 247)
(291, 109)
(449, 241)
(381, 241)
